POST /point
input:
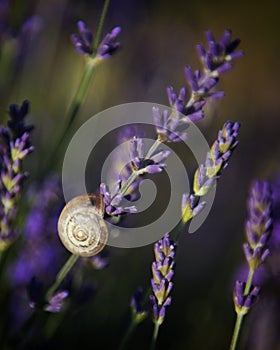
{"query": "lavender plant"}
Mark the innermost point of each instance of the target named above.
(15, 146)
(163, 271)
(258, 230)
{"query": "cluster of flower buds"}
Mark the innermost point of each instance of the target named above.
(207, 174)
(163, 271)
(216, 60)
(84, 42)
(14, 147)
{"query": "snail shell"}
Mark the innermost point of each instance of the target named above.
(81, 226)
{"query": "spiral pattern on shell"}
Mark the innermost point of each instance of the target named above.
(81, 226)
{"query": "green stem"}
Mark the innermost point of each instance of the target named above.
(128, 334)
(249, 281)
(236, 331)
(178, 230)
(155, 335)
(240, 315)
(100, 26)
(152, 149)
(62, 274)
(82, 89)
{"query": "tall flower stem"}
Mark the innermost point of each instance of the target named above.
(237, 327)
(62, 274)
(128, 334)
(83, 87)
(240, 315)
(155, 335)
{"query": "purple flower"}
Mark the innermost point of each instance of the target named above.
(219, 54)
(15, 145)
(259, 224)
(216, 159)
(40, 243)
(243, 302)
(108, 45)
(171, 127)
(36, 294)
(135, 169)
(190, 207)
(83, 41)
(168, 126)
(99, 261)
(138, 312)
(206, 175)
(113, 200)
(163, 271)
(142, 165)
(258, 229)
(56, 301)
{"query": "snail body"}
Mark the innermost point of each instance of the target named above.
(81, 226)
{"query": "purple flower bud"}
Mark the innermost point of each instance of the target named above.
(243, 302)
(163, 271)
(83, 40)
(56, 301)
(109, 46)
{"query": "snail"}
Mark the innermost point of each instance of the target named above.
(81, 226)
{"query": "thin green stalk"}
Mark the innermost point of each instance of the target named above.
(249, 281)
(128, 334)
(100, 25)
(155, 335)
(82, 89)
(62, 274)
(240, 315)
(236, 331)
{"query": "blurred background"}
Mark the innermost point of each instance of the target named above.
(157, 41)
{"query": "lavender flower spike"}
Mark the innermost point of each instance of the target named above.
(206, 175)
(202, 85)
(163, 271)
(83, 42)
(15, 145)
(243, 302)
(259, 224)
(216, 159)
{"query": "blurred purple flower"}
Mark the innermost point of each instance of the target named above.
(15, 145)
(99, 261)
(40, 243)
(83, 41)
(36, 294)
(108, 45)
(138, 312)
(56, 301)
(258, 225)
